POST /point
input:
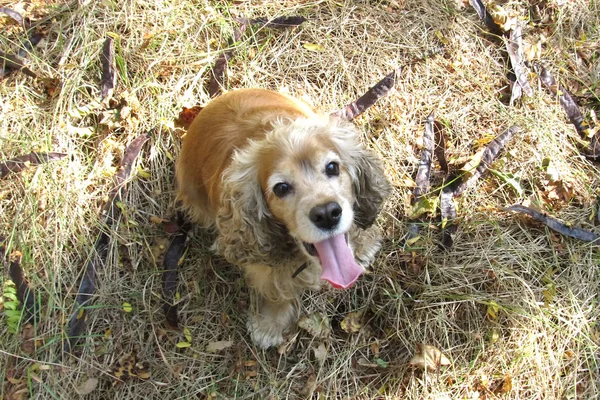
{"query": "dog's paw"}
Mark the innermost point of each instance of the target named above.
(267, 328)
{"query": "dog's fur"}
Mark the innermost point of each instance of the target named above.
(236, 150)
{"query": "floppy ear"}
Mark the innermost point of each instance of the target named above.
(370, 188)
(248, 234)
(368, 179)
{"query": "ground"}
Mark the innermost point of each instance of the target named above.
(512, 305)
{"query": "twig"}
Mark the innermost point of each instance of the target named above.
(423, 172)
(485, 17)
(24, 293)
(571, 109)
(87, 287)
(19, 163)
(359, 106)
(514, 47)
(109, 78)
(491, 152)
(171, 263)
(556, 225)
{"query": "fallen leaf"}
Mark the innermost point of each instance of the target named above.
(187, 334)
(214, 347)
(87, 387)
(317, 325)
(428, 358)
(183, 345)
(186, 116)
(352, 322)
(425, 205)
(313, 47)
(320, 352)
(28, 345)
(127, 307)
(142, 173)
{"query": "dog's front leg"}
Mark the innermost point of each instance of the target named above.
(269, 320)
(275, 300)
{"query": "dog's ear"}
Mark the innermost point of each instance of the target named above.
(248, 234)
(370, 188)
(368, 179)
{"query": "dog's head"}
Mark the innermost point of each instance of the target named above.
(308, 181)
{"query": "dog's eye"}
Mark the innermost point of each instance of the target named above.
(332, 169)
(281, 189)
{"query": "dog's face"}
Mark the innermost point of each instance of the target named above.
(309, 180)
(308, 188)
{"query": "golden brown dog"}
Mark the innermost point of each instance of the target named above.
(292, 195)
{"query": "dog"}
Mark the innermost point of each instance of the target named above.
(292, 195)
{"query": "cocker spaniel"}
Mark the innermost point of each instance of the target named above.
(292, 195)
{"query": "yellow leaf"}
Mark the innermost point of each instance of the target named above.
(107, 333)
(352, 322)
(127, 307)
(492, 310)
(414, 240)
(313, 47)
(80, 313)
(423, 206)
(183, 345)
(142, 173)
(187, 334)
(473, 163)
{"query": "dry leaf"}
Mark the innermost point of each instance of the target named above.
(320, 352)
(352, 322)
(313, 47)
(316, 325)
(214, 347)
(28, 345)
(428, 358)
(87, 387)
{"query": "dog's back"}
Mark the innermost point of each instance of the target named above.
(226, 124)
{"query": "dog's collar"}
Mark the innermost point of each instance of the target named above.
(300, 269)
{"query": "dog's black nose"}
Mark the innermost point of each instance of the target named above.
(326, 216)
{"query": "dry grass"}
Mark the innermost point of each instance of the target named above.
(510, 299)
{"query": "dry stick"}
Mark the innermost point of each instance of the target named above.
(448, 215)
(485, 17)
(19, 163)
(571, 109)
(423, 172)
(277, 23)
(359, 106)
(490, 153)
(556, 225)
(14, 15)
(171, 270)
(109, 78)
(24, 293)
(514, 47)
(87, 287)
(10, 63)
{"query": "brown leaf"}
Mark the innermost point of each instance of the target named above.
(28, 334)
(428, 358)
(186, 116)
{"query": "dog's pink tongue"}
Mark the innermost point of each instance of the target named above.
(337, 262)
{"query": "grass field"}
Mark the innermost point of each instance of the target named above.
(513, 305)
